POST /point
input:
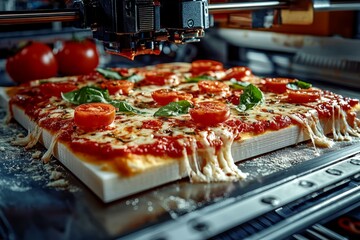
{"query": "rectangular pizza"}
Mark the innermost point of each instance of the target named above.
(122, 131)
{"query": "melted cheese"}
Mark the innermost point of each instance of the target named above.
(123, 133)
(206, 163)
(308, 118)
(30, 140)
(310, 123)
(357, 125)
(50, 151)
(341, 129)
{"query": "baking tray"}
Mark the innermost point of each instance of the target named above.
(43, 201)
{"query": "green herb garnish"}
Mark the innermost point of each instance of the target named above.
(134, 78)
(173, 109)
(198, 78)
(251, 97)
(125, 107)
(238, 85)
(110, 74)
(299, 85)
(90, 94)
(86, 94)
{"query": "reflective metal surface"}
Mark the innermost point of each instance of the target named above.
(38, 16)
(331, 5)
(249, 5)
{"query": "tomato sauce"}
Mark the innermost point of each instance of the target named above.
(55, 124)
(152, 124)
(30, 103)
(238, 126)
(163, 146)
(280, 122)
(259, 126)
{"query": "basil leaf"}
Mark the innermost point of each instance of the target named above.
(91, 94)
(117, 76)
(109, 74)
(134, 78)
(69, 97)
(86, 94)
(238, 85)
(198, 78)
(299, 85)
(125, 107)
(173, 109)
(251, 97)
(303, 85)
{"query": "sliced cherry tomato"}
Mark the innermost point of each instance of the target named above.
(77, 57)
(118, 86)
(160, 78)
(200, 66)
(209, 86)
(210, 113)
(55, 89)
(303, 96)
(237, 72)
(92, 116)
(34, 61)
(276, 85)
(166, 96)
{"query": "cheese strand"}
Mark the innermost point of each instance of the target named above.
(31, 139)
(50, 151)
(218, 166)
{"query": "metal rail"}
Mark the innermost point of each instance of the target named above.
(334, 5)
(38, 16)
(241, 6)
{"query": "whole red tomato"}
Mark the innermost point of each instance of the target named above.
(77, 57)
(34, 61)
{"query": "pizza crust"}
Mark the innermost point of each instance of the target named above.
(110, 185)
(142, 172)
